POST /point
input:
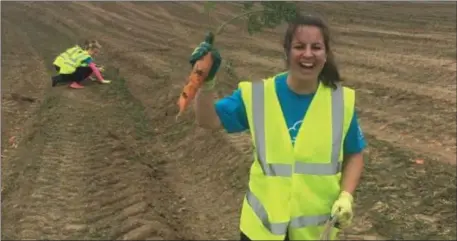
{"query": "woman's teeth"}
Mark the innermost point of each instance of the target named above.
(306, 65)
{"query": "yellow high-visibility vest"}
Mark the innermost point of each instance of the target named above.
(71, 59)
(292, 188)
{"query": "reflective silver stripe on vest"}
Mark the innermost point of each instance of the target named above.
(281, 228)
(73, 62)
(258, 117)
(285, 170)
(261, 213)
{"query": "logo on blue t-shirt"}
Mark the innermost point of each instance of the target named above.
(293, 130)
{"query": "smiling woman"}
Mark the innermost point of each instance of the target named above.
(309, 55)
(308, 145)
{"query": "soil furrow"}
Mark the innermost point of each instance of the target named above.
(64, 201)
(60, 159)
(358, 76)
(444, 152)
(440, 77)
(408, 103)
(188, 179)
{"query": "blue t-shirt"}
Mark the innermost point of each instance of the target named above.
(232, 113)
(88, 60)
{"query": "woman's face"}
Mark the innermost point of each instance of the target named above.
(307, 53)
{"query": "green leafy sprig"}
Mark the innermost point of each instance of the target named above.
(260, 15)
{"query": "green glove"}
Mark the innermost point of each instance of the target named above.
(101, 68)
(202, 49)
(342, 209)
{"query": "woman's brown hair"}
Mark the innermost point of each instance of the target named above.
(329, 74)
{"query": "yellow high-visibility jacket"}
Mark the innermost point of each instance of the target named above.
(292, 188)
(71, 59)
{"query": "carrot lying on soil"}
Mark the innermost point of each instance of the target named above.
(195, 81)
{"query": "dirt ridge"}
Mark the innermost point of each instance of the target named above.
(82, 193)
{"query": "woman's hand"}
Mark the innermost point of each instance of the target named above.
(342, 209)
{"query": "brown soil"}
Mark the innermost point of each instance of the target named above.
(110, 162)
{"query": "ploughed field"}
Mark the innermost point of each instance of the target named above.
(110, 161)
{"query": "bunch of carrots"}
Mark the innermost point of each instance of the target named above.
(197, 76)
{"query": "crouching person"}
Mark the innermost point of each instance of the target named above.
(76, 64)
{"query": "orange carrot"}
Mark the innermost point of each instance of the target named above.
(195, 81)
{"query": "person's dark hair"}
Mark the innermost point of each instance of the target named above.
(329, 74)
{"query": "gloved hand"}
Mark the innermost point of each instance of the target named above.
(101, 68)
(202, 49)
(105, 81)
(342, 209)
